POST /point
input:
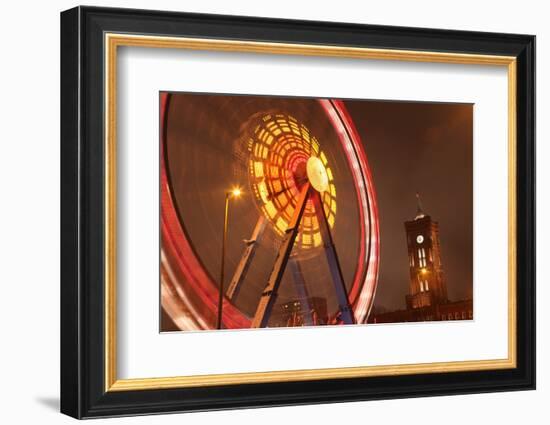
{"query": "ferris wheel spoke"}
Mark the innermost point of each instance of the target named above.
(248, 255)
(275, 194)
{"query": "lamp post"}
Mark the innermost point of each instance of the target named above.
(235, 193)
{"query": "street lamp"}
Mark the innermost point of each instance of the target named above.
(233, 193)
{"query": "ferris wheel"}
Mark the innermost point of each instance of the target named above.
(305, 229)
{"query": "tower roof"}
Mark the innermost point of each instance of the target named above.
(419, 211)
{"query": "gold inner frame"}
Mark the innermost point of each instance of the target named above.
(113, 41)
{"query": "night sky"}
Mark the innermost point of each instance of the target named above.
(411, 147)
(425, 148)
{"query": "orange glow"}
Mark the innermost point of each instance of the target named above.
(277, 147)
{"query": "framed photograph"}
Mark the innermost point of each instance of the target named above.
(261, 212)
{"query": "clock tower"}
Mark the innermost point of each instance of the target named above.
(427, 281)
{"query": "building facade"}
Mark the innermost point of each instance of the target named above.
(427, 280)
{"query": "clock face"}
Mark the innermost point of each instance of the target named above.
(419, 239)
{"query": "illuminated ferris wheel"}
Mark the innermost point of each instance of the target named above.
(306, 229)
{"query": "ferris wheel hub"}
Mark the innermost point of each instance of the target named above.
(317, 174)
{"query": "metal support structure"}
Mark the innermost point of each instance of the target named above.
(301, 290)
(333, 263)
(248, 254)
(224, 240)
(269, 295)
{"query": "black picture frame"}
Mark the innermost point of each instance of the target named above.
(83, 392)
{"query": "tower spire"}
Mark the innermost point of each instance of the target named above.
(419, 210)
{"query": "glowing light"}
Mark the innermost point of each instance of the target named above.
(236, 192)
(258, 169)
(323, 158)
(279, 154)
(317, 174)
(317, 239)
(270, 209)
(281, 224)
(333, 190)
